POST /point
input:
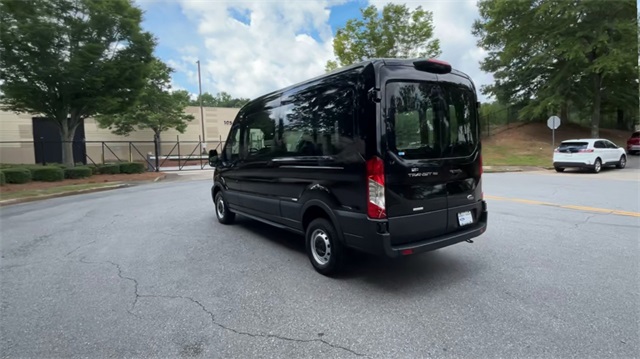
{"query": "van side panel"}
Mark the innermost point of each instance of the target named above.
(309, 145)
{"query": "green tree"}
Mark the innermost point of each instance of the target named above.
(69, 60)
(222, 99)
(157, 108)
(549, 54)
(395, 32)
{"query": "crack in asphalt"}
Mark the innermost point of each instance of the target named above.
(80, 246)
(135, 282)
(589, 217)
(211, 315)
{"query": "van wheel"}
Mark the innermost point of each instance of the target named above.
(223, 213)
(623, 162)
(324, 249)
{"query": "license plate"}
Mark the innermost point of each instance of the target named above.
(465, 218)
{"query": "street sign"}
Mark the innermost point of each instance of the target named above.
(553, 123)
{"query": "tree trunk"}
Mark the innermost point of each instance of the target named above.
(67, 134)
(564, 112)
(595, 114)
(621, 124)
(158, 140)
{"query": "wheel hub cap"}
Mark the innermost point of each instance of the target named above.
(320, 247)
(220, 208)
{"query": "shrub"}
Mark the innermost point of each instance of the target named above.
(46, 173)
(132, 167)
(77, 172)
(3, 180)
(112, 169)
(17, 175)
(94, 169)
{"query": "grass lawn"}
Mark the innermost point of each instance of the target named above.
(51, 190)
(494, 155)
(529, 144)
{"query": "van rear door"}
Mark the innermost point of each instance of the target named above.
(415, 185)
(430, 164)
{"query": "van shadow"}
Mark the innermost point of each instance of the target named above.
(419, 273)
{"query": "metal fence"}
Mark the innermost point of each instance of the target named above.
(157, 156)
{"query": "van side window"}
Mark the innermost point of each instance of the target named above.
(232, 147)
(259, 134)
(259, 130)
(318, 121)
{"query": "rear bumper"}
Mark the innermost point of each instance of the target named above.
(586, 164)
(375, 239)
(633, 148)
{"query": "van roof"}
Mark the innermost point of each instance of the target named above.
(374, 62)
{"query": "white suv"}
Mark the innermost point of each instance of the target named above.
(591, 153)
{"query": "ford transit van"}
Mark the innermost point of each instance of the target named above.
(383, 156)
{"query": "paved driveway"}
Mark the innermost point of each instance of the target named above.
(148, 272)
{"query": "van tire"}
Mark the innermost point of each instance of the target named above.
(320, 238)
(221, 207)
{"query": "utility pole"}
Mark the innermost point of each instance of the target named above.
(202, 144)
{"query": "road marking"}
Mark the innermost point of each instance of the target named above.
(629, 175)
(566, 206)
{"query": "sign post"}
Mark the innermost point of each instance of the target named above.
(553, 123)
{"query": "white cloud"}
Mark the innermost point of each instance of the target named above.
(453, 20)
(274, 48)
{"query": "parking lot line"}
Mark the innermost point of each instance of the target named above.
(566, 206)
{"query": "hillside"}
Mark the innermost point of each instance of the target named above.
(529, 144)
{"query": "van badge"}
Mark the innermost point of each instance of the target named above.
(470, 197)
(415, 169)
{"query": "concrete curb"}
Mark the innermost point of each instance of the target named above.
(160, 178)
(80, 191)
(62, 194)
(506, 169)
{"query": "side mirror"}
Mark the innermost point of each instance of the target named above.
(213, 158)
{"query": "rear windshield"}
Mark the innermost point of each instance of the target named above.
(635, 135)
(573, 146)
(430, 120)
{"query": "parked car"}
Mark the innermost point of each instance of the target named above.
(633, 143)
(342, 160)
(590, 153)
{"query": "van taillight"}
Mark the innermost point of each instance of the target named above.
(375, 178)
(481, 169)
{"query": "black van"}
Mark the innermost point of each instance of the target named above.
(382, 156)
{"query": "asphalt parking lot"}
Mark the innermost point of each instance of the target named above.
(147, 272)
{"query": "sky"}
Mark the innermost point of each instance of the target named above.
(250, 47)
